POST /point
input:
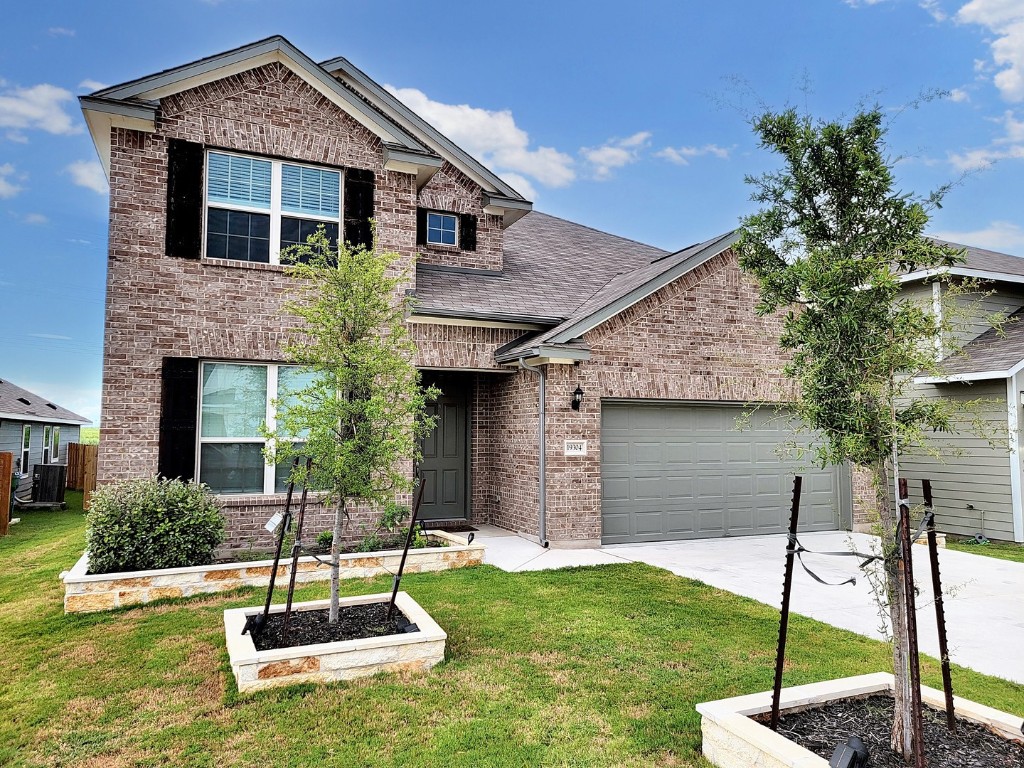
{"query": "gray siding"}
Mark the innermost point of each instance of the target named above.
(971, 482)
(10, 440)
(972, 314)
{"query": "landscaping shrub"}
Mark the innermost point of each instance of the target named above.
(152, 523)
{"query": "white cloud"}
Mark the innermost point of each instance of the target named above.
(17, 137)
(998, 236)
(1009, 146)
(862, 3)
(683, 155)
(61, 32)
(492, 137)
(520, 184)
(615, 153)
(91, 85)
(8, 188)
(958, 95)
(39, 107)
(35, 219)
(1005, 20)
(53, 336)
(933, 9)
(88, 174)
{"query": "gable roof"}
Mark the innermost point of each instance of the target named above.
(354, 78)
(410, 144)
(996, 354)
(980, 263)
(19, 404)
(618, 294)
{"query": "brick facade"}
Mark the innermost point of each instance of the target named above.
(159, 306)
(451, 190)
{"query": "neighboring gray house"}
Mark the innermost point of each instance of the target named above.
(35, 430)
(977, 482)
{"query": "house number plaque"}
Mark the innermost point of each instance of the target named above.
(575, 447)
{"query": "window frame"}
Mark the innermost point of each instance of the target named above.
(55, 444)
(275, 211)
(270, 420)
(26, 448)
(448, 214)
(47, 442)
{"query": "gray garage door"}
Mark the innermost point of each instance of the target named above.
(688, 472)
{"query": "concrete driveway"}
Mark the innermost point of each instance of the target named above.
(984, 596)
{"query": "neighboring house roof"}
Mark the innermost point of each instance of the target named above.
(978, 262)
(19, 404)
(995, 354)
(618, 294)
(551, 267)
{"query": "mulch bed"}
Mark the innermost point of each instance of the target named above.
(972, 746)
(311, 627)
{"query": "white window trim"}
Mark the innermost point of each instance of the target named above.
(47, 442)
(270, 418)
(275, 212)
(54, 444)
(449, 214)
(26, 451)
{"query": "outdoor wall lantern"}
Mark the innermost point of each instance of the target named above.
(577, 398)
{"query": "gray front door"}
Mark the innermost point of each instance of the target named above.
(673, 471)
(445, 464)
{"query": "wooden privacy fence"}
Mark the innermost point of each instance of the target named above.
(82, 469)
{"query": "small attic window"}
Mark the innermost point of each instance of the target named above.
(51, 405)
(23, 400)
(441, 228)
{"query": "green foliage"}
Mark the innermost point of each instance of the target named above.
(324, 539)
(394, 515)
(89, 435)
(151, 523)
(362, 416)
(831, 239)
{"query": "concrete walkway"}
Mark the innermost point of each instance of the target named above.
(984, 613)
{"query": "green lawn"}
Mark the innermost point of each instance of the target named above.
(89, 436)
(584, 667)
(1004, 550)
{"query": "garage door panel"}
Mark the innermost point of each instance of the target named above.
(679, 472)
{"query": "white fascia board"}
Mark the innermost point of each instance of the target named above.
(102, 115)
(42, 419)
(470, 322)
(962, 377)
(979, 274)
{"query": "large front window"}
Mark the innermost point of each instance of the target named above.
(236, 400)
(256, 207)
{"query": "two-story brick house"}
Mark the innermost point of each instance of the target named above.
(591, 383)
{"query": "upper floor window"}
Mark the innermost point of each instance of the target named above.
(441, 228)
(255, 207)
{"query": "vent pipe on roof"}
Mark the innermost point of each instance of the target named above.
(542, 448)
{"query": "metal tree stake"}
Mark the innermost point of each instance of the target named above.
(787, 588)
(940, 611)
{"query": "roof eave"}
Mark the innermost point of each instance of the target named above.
(101, 114)
(43, 419)
(422, 165)
(511, 209)
(543, 354)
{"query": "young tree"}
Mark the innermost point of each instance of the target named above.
(827, 246)
(357, 409)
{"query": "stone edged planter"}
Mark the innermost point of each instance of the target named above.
(732, 740)
(328, 662)
(87, 593)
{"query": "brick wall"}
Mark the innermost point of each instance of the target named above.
(451, 190)
(159, 306)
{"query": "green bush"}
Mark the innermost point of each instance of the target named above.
(152, 523)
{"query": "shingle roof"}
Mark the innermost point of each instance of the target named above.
(996, 350)
(551, 267)
(988, 261)
(15, 401)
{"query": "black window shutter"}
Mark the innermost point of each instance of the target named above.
(184, 199)
(179, 408)
(421, 226)
(358, 207)
(467, 232)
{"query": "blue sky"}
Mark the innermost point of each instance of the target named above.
(631, 118)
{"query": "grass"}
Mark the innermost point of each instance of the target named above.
(583, 667)
(1004, 550)
(89, 436)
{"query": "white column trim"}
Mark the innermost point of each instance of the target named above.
(1013, 396)
(937, 312)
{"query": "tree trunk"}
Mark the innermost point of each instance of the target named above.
(339, 516)
(902, 730)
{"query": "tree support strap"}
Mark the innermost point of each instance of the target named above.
(798, 549)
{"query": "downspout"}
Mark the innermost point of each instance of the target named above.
(1013, 398)
(542, 448)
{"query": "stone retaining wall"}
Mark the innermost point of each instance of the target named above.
(87, 593)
